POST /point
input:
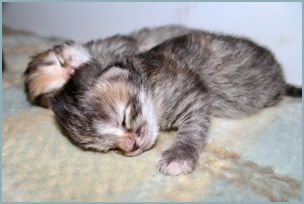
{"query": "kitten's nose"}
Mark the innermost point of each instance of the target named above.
(127, 144)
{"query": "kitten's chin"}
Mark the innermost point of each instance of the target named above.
(134, 153)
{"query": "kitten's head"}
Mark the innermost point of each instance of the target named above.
(107, 109)
(48, 71)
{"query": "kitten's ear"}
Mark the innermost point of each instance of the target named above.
(115, 73)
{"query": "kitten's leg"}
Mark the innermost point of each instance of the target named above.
(48, 71)
(182, 156)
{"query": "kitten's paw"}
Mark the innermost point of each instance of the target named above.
(171, 164)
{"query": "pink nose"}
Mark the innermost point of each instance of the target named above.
(127, 143)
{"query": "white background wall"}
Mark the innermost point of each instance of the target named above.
(275, 25)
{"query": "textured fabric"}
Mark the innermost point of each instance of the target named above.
(253, 159)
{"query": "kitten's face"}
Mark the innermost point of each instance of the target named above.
(106, 110)
(50, 70)
(125, 114)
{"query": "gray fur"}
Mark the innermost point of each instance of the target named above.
(106, 51)
(188, 80)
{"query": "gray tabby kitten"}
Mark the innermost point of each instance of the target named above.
(48, 71)
(179, 84)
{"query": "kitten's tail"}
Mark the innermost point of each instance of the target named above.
(293, 91)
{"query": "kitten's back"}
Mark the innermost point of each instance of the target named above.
(242, 76)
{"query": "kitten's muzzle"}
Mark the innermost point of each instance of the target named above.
(127, 143)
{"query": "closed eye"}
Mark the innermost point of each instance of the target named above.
(61, 61)
(141, 129)
(124, 125)
(48, 63)
(124, 120)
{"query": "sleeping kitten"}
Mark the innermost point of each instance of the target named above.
(179, 84)
(48, 71)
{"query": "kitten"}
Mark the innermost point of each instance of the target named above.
(48, 71)
(180, 84)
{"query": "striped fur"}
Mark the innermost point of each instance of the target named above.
(180, 84)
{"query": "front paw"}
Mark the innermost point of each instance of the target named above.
(176, 162)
